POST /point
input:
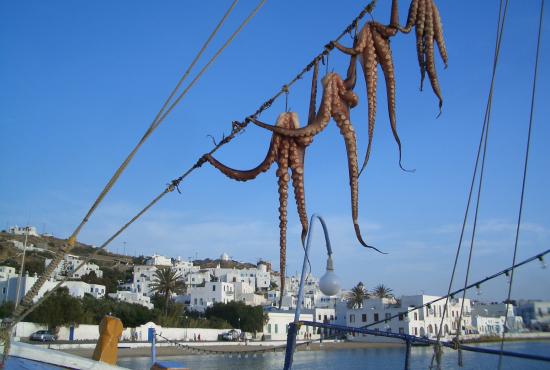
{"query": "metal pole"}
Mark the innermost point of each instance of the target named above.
(154, 347)
(408, 355)
(293, 329)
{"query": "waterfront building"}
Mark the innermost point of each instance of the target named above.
(500, 313)
(421, 322)
(276, 327)
(535, 314)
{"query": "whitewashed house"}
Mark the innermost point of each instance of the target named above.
(132, 297)
(158, 260)
(8, 288)
(69, 265)
(212, 292)
(16, 230)
(7, 272)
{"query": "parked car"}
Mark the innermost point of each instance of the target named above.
(43, 336)
(231, 335)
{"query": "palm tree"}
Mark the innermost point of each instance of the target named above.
(167, 282)
(357, 295)
(382, 291)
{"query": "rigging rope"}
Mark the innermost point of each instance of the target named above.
(481, 147)
(237, 127)
(522, 197)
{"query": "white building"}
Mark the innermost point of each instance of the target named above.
(157, 260)
(421, 322)
(7, 272)
(499, 313)
(212, 292)
(132, 297)
(276, 327)
(536, 314)
(8, 288)
(489, 326)
(244, 292)
(69, 265)
(144, 276)
(16, 230)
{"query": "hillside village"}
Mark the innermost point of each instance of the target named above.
(208, 282)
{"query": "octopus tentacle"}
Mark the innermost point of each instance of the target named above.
(369, 63)
(297, 167)
(313, 96)
(420, 45)
(383, 53)
(394, 18)
(430, 60)
(412, 16)
(438, 34)
(346, 129)
(247, 174)
(282, 174)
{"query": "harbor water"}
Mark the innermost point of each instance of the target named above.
(355, 359)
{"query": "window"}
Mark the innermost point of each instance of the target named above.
(415, 331)
(91, 290)
(376, 317)
(213, 288)
(352, 318)
(400, 317)
(416, 316)
(364, 317)
(387, 316)
(195, 301)
(269, 328)
(319, 317)
(276, 328)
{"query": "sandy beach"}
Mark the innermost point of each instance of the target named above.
(176, 351)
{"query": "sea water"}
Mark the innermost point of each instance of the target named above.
(355, 359)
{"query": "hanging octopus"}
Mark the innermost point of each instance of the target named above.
(372, 44)
(289, 153)
(338, 98)
(425, 17)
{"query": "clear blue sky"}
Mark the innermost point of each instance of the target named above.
(81, 81)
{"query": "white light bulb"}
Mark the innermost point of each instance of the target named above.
(329, 283)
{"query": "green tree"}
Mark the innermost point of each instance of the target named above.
(58, 309)
(6, 309)
(356, 296)
(167, 282)
(382, 291)
(239, 315)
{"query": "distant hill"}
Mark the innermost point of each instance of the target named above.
(48, 246)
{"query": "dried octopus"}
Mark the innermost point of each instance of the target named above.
(372, 44)
(338, 98)
(425, 17)
(289, 153)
